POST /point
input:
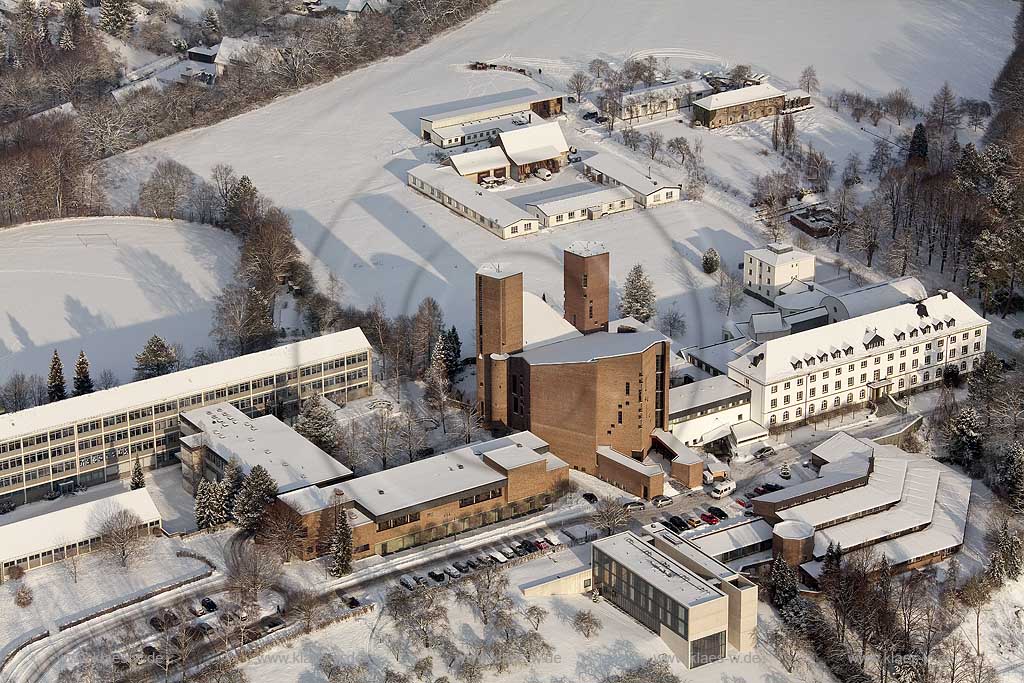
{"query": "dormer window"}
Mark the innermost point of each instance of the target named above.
(913, 333)
(951, 322)
(797, 364)
(900, 336)
(926, 329)
(810, 362)
(835, 354)
(938, 326)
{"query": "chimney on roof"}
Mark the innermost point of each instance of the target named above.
(944, 293)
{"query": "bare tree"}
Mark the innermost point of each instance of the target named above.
(535, 615)
(470, 421)
(580, 83)
(598, 68)
(680, 146)
(72, 560)
(251, 570)
(383, 432)
(787, 647)
(284, 532)
(728, 293)
(653, 142)
(484, 590)
(586, 623)
(899, 104)
(672, 323)
(975, 595)
(242, 321)
(165, 191)
(121, 533)
(809, 82)
(309, 608)
(609, 516)
(631, 138)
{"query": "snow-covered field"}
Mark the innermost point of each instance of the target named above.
(621, 644)
(105, 285)
(335, 156)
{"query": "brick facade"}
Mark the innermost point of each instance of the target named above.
(585, 281)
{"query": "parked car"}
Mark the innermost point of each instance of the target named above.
(634, 506)
(150, 652)
(759, 491)
(764, 452)
(718, 512)
(271, 623)
(540, 543)
(708, 518)
(723, 488)
(462, 567)
(772, 487)
(171, 619)
(507, 552)
(590, 116)
(528, 546)
(452, 571)
(420, 580)
(473, 563)
(589, 497)
(575, 158)
(543, 174)
(6, 506)
(661, 501)
(678, 521)
(498, 557)
(742, 503)
(784, 472)
(407, 581)
(158, 624)
(437, 576)
(553, 539)
(196, 610)
(694, 522)
(353, 603)
(601, 119)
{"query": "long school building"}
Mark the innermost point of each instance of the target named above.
(90, 439)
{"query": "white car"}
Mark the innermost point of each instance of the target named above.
(542, 173)
(498, 557)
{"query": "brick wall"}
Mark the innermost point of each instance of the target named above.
(586, 307)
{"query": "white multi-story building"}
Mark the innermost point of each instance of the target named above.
(766, 271)
(893, 351)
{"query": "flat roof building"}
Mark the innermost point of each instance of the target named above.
(89, 439)
(510, 103)
(766, 271)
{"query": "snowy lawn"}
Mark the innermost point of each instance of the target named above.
(621, 644)
(335, 156)
(105, 285)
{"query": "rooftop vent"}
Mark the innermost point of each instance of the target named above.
(380, 492)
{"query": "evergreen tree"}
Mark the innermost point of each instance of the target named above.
(317, 424)
(918, 153)
(73, 14)
(138, 480)
(1010, 549)
(452, 351)
(211, 21)
(117, 17)
(156, 358)
(1011, 476)
(258, 491)
(55, 389)
(782, 583)
(209, 509)
(438, 384)
(83, 380)
(242, 205)
(340, 551)
(983, 384)
(231, 482)
(711, 261)
(67, 40)
(966, 440)
(637, 299)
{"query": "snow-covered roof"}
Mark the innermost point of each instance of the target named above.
(500, 104)
(720, 539)
(705, 392)
(720, 354)
(309, 499)
(542, 324)
(357, 6)
(587, 248)
(188, 382)
(878, 296)
(435, 479)
(646, 468)
(458, 130)
(777, 254)
(733, 98)
(842, 446)
(122, 93)
(698, 85)
(853, 334)
(657, 568)
(797, 93)
(626, 174)
(479, 160)
(66, 108)
(590, 347)
(233, 49)
(681, 453)
(580, 202)
(768, 322)
(534, 143)
(292, 460)
(498, 270)
(70, 525)
(471, 195)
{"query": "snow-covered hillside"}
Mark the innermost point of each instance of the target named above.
(105, 285)
(335, 157)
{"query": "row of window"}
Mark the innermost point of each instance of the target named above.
(480, 498)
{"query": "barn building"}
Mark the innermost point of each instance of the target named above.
(736, 106)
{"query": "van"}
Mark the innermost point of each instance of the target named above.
(723, 488)
(708, 477)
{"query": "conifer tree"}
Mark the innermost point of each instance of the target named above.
(55, 388)
(138, 478)
(209, 508)
(918, 152)
(82, 383)
(966, 440)
(258, 491)
(1010, 549)
(73, 13)
(711, 261)
(117, 17)
(67, 40)
(637, 299)
(783, 586)
(155, 359)
(231, 482)
(438, 384)
(317, 424)
(1011, 476)
(211, 21)
(452, 351)
(340, 551)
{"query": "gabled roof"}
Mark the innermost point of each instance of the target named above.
(234, 49)
(478, 160)
(624, 173)
(733, 98)
(535, 143)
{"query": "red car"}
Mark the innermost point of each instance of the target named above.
(709, 518)
(742, 503)
(760, 491)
